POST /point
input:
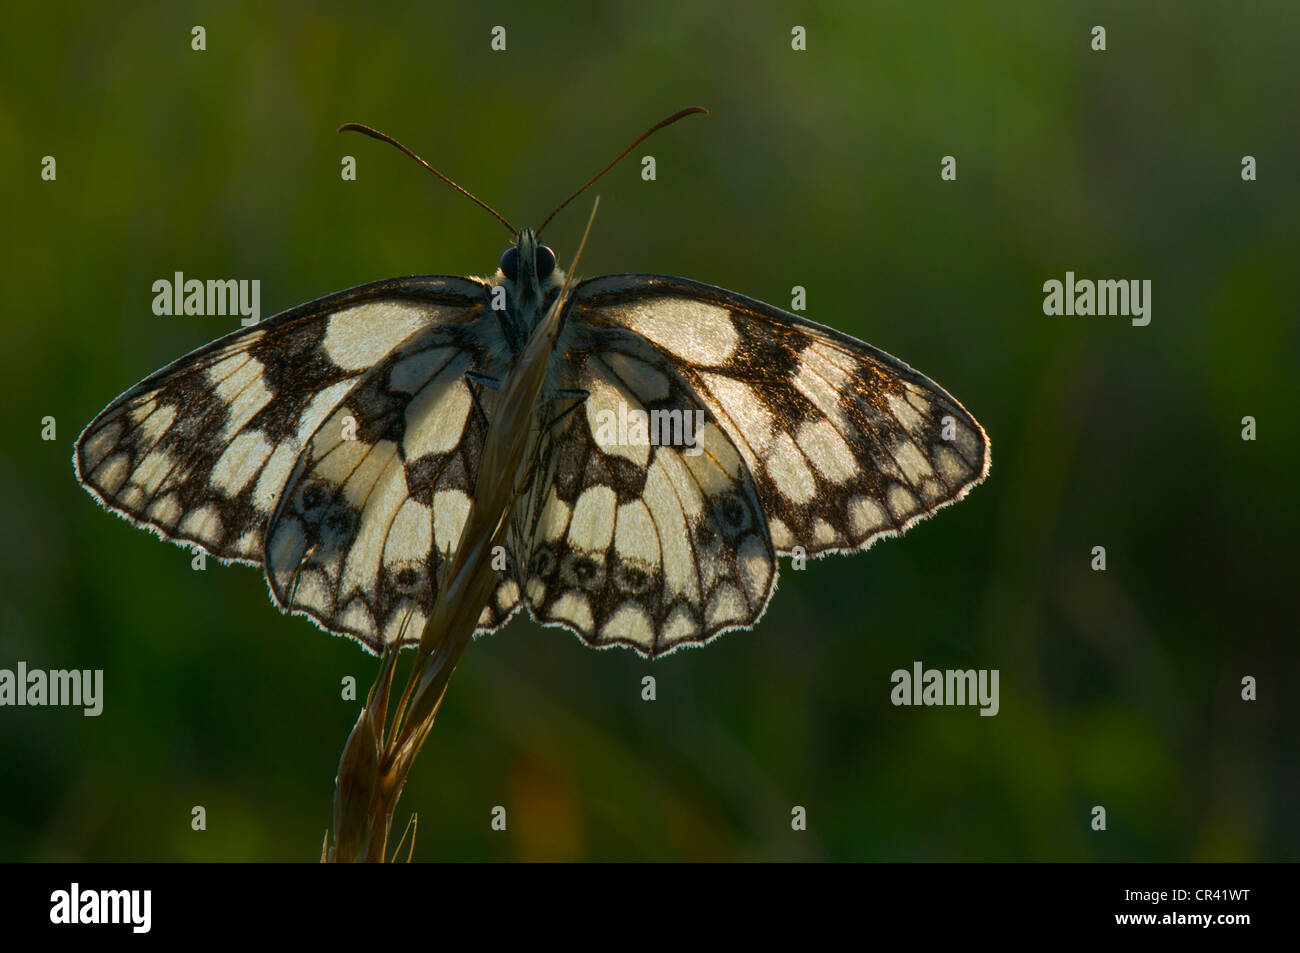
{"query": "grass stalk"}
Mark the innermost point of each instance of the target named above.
(386, 739)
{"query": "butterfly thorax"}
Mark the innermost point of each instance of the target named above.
(531, 281)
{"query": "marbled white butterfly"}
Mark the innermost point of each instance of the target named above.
(692, 435)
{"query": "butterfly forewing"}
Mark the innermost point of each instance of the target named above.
(844, 442)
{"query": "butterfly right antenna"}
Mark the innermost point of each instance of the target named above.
(690, 110)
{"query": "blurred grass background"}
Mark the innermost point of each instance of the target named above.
(818, 168)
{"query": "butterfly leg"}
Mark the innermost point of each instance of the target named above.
(483, 381)
(297, 575)
(577, 396)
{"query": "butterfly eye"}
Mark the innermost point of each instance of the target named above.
(510, 263)
(545, 262)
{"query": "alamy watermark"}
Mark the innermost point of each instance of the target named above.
(652, 428)
(60, 687)
(931, 686)
(179, 295)
(74, 906)
(1083, 296)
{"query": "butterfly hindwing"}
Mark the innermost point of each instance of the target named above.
(845, 443)
(649, 545)
(381, 492)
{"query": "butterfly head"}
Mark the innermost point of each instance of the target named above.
(529, 268)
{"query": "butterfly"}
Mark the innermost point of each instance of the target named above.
(689, 437)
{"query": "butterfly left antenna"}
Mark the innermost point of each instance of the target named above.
(382, 137)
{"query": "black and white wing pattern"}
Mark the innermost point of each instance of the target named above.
(333, 445)
(631, 543)
(811, 441)
(337, 446)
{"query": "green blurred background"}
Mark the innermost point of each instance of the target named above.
(816, 168)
